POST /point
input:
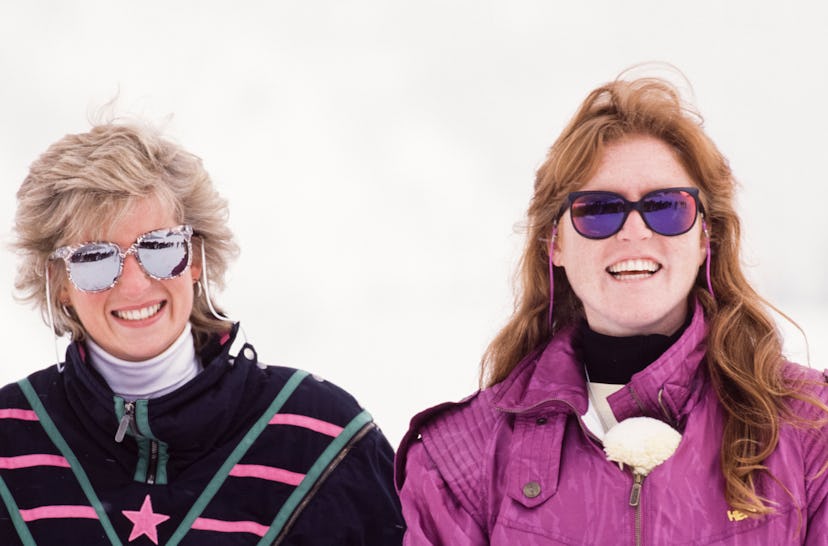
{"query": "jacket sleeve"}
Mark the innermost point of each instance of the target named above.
(432, 512)
(357, 504)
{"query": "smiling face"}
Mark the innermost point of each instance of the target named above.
(139, 317)
(636, 281)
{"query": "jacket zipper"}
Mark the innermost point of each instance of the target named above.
(152, 468)
(635, 502)
(319, 482)
(638, 479)
(127, 421)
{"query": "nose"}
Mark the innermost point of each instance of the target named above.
(634, 227)
(133, 280)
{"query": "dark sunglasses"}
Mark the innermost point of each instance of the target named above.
(96, 266)
(601, 214)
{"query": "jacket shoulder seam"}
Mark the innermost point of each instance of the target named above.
(457, 442)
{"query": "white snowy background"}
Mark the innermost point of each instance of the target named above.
(379, 155)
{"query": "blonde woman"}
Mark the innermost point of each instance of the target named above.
(161, 425)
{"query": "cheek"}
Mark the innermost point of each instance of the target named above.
(566, 250)
(704, 249)
(182, 293)
(578, 264)
(697, 246)
(86, 306)
(691, 255)
(575, 253)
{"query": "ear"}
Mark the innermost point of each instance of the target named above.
(195, 264)
(555, 246)
(704, 242)
(195, 269)
(65, 291)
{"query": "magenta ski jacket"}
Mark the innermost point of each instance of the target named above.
(514, 464)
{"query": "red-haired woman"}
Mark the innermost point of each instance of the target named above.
(639, 394)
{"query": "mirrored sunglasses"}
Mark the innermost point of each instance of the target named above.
(601, 214)
(96, 266)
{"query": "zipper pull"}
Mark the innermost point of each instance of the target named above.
(635, 493)
(126, 421)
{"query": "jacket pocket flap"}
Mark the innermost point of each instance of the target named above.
(535, 458)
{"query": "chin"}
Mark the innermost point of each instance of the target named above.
(137, 354)
(660, 325)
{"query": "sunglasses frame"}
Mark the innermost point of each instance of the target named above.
(65, 253)
(630, 206)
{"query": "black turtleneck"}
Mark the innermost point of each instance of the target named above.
(615, 360)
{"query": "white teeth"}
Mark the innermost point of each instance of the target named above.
(642, 267)
(635, 276)
(138, 314)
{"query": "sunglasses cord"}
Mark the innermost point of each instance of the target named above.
(51, 316)
(205, 284)
(707, 259)
(550, 251)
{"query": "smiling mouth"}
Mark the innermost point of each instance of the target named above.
(633, 270)
(140, 314)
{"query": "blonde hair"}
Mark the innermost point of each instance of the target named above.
(744, 355)
(84, 182)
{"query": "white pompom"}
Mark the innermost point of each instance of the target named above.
(641, 442)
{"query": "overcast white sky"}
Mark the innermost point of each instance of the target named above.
(378, 155)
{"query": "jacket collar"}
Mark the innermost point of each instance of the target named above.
(671, 386)
(666, 389)
(551, 377)
(180, 419)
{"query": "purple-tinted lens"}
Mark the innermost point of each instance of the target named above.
(598, 215)
(669, 212)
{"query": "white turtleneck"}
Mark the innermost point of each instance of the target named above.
(150, 378)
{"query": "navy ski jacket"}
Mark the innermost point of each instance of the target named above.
(242, 454)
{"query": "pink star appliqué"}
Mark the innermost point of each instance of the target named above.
(145, 521)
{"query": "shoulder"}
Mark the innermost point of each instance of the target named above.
(303, 410)
(294, 390)
(796, 371)
(454, 434)
(447, 456)
(807, 411)
(809, 385)
(297, 391)
(313, 395)
(457, 434)
(335, 444)
(20, 403)
(10, 395)
(808, 427)
(40, 382)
